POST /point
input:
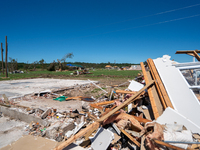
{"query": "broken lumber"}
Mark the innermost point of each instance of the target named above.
(196, 56)
(193, 53)
(122, 116)
(96, 106)
(150, 93)
(143, 120)
(81, 133)
(106, 102)
(130, 137)
(76, 98)
(159, 85)
(96, 124)
(128, 101)
(124, 92)
(169, 146)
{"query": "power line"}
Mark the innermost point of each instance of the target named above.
(162, 22)
(164, 12)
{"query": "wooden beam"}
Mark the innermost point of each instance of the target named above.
(150, 93)
(191, 54)
(131, 99)
(76, 98)
(124, 92)
(142, 119)
(107, 111)
(186, 51)
(159, 85)
(156, 96)
(81, 133)
(130, 137)
(105, 103)
(169, 146)
(196, 55)
(98, 107)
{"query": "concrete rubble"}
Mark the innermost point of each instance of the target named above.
(146, 115)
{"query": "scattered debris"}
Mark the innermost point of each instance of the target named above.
(148, 114)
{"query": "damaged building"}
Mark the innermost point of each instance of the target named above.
(157, 110)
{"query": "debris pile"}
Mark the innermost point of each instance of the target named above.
(133, 118)
(145, 115)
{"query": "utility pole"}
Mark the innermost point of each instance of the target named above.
(6, 58)
(2, 57)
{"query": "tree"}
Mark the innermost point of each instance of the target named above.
(42, 63)
(52, 67)
(13, 64)
(69, 55)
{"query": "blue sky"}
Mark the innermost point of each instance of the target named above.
(128, 31)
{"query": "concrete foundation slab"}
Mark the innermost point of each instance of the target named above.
(18, 88)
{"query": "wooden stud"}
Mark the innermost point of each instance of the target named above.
(130, 137)
(142, 119)
(187, 51)
(76, 98)
(159, 85)
(78, 135)
(105, 103)
(124, 92)
(196, 55)
(152, 100)
(169, 146)
(131, 99)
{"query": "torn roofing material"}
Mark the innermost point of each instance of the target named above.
(182, 97)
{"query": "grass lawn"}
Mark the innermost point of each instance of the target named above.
(96, 74)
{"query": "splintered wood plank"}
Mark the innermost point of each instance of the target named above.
(186, 51)
(130, 137)
(105, 103)
(156, 96)
(170, 146)
(131, 99)
(196, 56)
(142, 119)
(81, 133)
(76, 98)
(159, 85)
(150, 93)
(124, 92)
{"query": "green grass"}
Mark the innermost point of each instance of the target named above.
(115, 72)
(66, 74)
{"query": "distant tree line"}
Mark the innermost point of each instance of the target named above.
(14, 65)
(42, 65)
(60, 64)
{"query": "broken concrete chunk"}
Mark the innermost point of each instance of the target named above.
(67, 126)
(46, 113)
(52, 130)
